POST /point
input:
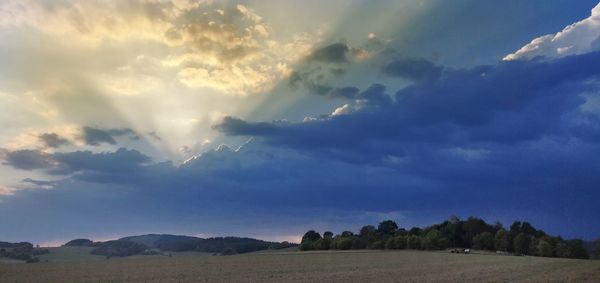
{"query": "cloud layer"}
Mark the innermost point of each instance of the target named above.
(577, 38)
(334, 134)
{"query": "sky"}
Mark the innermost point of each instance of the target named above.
(269, 118)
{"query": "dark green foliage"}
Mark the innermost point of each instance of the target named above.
(387, 227)
(521, 239)
(347, 234)
(21, 251)
(434, 240)
(521, 244)
(400, 242)
(310, 236)
(175, 243)
(414, 242)
(378, 245)
(359, 243)
(390, 244)
(571, 249)
(415, 231)
(544, 248)
(484, 241)
(596, 248)
(344, 243)
(228, 251)
(501, 240)
(119, 248)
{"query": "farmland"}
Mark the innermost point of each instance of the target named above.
(292, 266)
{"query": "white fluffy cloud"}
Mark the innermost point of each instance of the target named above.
(580, 37)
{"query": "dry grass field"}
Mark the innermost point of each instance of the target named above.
(351, 266)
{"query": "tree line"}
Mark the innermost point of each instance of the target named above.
(521, 238)
(21, 251)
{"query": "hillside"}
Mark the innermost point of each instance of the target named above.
(177, 243)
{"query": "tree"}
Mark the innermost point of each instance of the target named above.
(576, 249)
(309, 239)
(501, 241)
(596, 248)
(344, 243)
(387, 227)
(434, 240)
(544, 248)
(390, 244)
(323, 243)
(347, 234)
(414, 242)
(328, 234)
(415, 231)
(483, 241)
(400, 242)
(454, 231)
(367, 231)
(359, 243)
(521, 244)
(472, 227)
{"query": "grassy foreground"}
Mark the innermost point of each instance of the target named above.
(339, 266)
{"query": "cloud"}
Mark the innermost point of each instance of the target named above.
(578, 38)
(53, 140)
(28, 159)
(333, 53)
(465, 106)
(89, 164)
(203, 44)
(416, 70)
(40, 183)
(95, 136)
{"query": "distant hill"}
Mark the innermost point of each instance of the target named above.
(165, 242)
(176, 243)
(79, 243)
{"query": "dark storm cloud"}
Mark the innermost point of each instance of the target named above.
(334, 53)
(96, 136)
(27, 159)
(88, 165)
(506, 103)
(53, 140)
(417, 70)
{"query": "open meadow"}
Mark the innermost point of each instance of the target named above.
(293, 266)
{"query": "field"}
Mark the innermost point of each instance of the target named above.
(292, 266)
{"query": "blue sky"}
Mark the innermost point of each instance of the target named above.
(267, 119)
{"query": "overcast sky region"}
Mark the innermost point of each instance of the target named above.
(269, 118)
